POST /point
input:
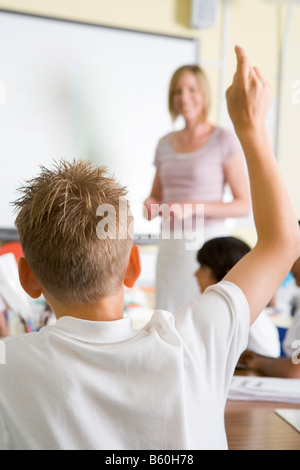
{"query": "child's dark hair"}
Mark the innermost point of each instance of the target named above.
(221, 254)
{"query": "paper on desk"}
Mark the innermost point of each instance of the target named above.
(265, 389)
(290, 416)
(11, 290)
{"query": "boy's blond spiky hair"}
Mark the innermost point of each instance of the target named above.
(57, 224)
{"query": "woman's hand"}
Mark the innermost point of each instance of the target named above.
(151, 208)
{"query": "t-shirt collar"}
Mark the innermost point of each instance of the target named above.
(95, 331)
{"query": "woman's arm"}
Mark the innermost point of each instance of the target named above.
(235, 177)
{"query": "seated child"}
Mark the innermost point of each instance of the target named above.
(289, 366)
(216, 257)
(293, 333)
(91, 381)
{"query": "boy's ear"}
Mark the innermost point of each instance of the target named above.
(28, 280)
(134, 267)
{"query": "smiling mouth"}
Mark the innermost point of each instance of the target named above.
(189, 108)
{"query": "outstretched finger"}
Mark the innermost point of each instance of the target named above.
(243, 67)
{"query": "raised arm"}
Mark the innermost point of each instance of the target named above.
(261, 272)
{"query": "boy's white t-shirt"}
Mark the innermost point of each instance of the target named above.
(103, 385)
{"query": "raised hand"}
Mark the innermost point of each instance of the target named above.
(249, 96)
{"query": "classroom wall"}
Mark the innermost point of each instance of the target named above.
(257, 25)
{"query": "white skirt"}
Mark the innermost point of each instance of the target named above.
(175, 268)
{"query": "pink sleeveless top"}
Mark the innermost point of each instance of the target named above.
(197, 175)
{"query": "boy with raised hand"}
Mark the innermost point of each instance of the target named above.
(91, 381)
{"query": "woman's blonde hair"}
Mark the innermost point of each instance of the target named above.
(203, 82)
(57, 223)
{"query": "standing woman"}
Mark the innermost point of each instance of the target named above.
(192, 167)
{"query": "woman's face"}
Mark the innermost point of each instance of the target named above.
(187, 96)
(205, 277)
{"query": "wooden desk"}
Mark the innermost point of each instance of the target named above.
(254, 425)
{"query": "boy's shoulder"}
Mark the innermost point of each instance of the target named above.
(17, 348)
(217, 300)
